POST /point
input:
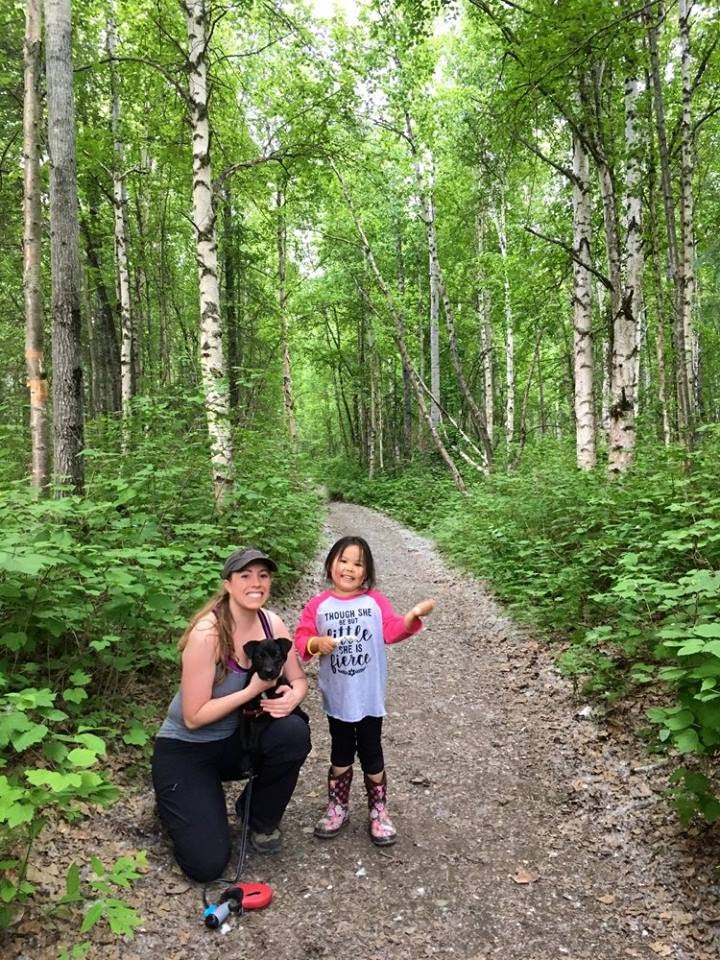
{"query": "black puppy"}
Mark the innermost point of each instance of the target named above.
(267, 658)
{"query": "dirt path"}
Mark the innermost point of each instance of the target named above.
(525, 830)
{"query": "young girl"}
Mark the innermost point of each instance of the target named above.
(347, 627)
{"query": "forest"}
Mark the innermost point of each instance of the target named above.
(457, 261)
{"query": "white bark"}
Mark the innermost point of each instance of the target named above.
(621, 440)
(211, 351)
(486, 337)
(68, 427)
(288, 398)
(36, 376)
(653, 14)
(434, 315)
(582, 310)
(127, 339)
(687, 230)
(498, 215)
(635, 255)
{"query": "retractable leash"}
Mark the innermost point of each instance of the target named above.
(238, 897)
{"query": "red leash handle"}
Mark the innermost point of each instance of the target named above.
(249, 896)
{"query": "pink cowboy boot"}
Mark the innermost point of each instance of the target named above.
(337, 813)
(382, 831)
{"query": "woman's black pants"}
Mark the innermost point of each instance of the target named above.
(188, 778)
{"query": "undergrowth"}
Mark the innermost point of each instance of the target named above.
(94, 592)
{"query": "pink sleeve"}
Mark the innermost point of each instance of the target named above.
(394, 629)
(307, 627)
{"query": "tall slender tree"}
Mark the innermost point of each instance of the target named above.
(67, 374)
(212, 361)
(37, 378)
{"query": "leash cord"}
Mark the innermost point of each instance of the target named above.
(243, 845)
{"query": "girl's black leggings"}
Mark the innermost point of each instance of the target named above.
(363, 738)
(188, 778)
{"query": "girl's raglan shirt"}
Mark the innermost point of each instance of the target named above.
(352, 678)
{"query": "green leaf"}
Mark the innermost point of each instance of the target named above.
(687, 741)
(680, 721)
(80, 678)
(74, 695)
(92, 916)
(82, 757)
(137, 736)
(57, 782)
(92, 742)
(710, 630)
(35, 734)
(713, 647)
(14, 641)
(690, 647)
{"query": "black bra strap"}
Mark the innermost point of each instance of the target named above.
(265, 623)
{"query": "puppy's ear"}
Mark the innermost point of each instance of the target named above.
(285, 645)
(250, 647)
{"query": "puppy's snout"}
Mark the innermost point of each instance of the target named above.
(269, 669)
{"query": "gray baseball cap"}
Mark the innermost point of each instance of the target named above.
(242, 558)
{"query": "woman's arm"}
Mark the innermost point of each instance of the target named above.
(199, 660)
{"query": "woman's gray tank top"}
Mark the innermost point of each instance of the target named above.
(235, 679)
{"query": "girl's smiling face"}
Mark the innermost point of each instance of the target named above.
(348, 571)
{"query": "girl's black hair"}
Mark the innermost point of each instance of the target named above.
(336, 550)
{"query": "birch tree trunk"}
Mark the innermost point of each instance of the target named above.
(682, 385)
(621, 440)
(105, 384)
(68, 427)
(434, 318)
(659, 315)
(127, 339)
(211, 350)
(288, 400)
(36, 375)
(634, 247)
(406, 385)
(687, 230)
(231, 295)
(486, 336)
(582, 310)
(498, 215)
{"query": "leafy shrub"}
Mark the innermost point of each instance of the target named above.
(94, 591)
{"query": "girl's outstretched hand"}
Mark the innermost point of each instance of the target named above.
(423, 608)
(419, 610)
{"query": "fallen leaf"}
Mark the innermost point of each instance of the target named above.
(661, 949)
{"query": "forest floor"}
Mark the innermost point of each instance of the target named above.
(526, 828)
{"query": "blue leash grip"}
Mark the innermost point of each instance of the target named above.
(216, 914)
